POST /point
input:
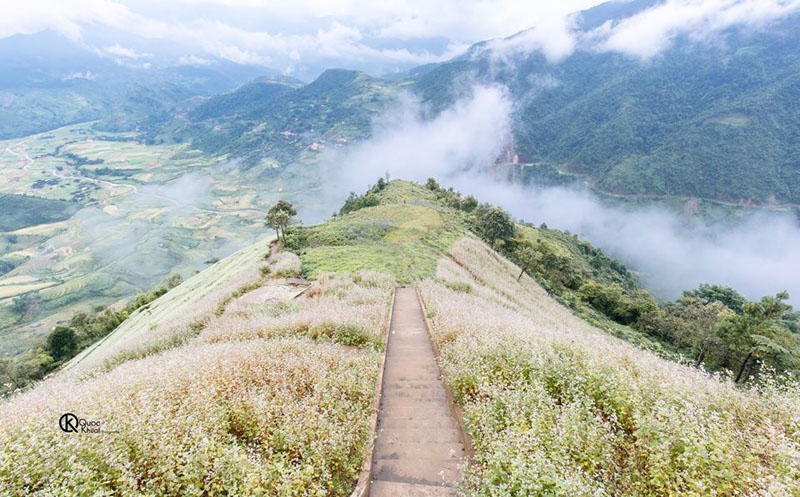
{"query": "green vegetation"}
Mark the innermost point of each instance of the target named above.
(64, 342)
(284, 375)
(554, 406)
(47, 81)
(713, 325)
(283, 119)
(21, 211)
(248, 100)
(399, 230)
(368, 199)
(284, 382)
(714, 121)
(279, 217)
(140, 211)
(709, 326)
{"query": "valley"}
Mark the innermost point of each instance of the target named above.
(123, 216)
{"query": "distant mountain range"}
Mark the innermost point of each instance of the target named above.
(710, 120)
(47, 81)
(715, 120)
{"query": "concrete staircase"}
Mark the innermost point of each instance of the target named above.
(418, 451)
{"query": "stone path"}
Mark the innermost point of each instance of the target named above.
(418, 451)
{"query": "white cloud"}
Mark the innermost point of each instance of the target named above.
(386, 35)
(649, 33)
(127, 53)
(65, 17)
(466, 136)
(80, 75)
(643, 35)
(193, 60)
(556, 39)
(308, 30)
(751, 255)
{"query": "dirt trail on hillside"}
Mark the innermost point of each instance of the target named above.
(418, 450)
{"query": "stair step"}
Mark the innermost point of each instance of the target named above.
(420, 450)
(421, 384)
(413, 411)
(397, 489)
(416, 422)
(434, 435)
(413, 393)
(416, 471)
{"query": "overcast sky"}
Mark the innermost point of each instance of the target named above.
(383, 36)
(287, 34)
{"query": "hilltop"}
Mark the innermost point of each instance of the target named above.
(258, 374)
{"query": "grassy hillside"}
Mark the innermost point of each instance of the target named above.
(232, 383)
(555, 406)
(403, 236)
(284, 376)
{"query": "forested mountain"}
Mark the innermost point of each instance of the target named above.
(280, 117)
(711, 120)
(716, 119)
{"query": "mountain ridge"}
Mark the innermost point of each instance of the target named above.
(709, 120)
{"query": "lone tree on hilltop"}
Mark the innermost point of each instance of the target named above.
(280, 216)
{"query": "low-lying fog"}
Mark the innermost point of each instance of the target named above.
(758, 255)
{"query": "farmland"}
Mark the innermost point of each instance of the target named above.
(91, 218)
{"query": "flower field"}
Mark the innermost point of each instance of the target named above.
(245, 391)
(557, 407)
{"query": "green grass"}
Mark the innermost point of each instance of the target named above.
(410, 230)
(592, 264)
(404, 236)
(582, 257)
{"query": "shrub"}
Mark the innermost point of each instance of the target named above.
(606, 299)
(62, 343)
